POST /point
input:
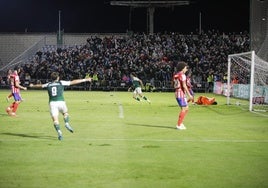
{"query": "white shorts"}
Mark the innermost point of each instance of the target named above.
(56, 107)
(137, 91)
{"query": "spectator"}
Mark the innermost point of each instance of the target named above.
(151, 56)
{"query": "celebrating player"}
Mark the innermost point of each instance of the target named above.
(181, 90)
(57, 103)
(137, 84)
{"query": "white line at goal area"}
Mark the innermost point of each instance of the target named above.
(247, 81)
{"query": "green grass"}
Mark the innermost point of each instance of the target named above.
(223, 146)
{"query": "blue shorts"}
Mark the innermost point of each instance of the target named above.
(16, 96)
(182, 102)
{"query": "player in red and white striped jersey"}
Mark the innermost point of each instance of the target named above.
(15, 89)
(181, 92)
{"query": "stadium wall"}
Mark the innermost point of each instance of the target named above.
(14, 44)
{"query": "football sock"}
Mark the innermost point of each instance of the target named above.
(57, 127)
(12, 105)
(182, 116)
(15, 107)
(66, 119)
(67, 125)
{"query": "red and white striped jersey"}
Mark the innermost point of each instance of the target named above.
(15, 78)
(178, 80)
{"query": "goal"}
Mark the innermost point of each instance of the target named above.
(247, 82)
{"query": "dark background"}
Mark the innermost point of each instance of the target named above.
(98, 16)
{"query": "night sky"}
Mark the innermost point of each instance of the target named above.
(98, 16)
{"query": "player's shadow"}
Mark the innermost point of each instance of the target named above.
(155, 126)
(29, 136)
(3, 114)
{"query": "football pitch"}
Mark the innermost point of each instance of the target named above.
(119, 142)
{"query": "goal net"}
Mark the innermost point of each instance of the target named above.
(247, 84)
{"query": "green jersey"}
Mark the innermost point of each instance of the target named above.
(55, 90)
(136, 82)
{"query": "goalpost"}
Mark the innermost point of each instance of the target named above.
(247, 82)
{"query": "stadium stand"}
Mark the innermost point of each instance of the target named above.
(153, 57)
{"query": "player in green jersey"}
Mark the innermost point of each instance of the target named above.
(56, 99)
(137, 84)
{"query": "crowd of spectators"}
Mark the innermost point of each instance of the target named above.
(152, 56)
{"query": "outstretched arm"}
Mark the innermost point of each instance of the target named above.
(78, 81)
(36, 85)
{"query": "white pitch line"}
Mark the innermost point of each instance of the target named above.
(148, 140)
(121, 111)
(175, 140)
